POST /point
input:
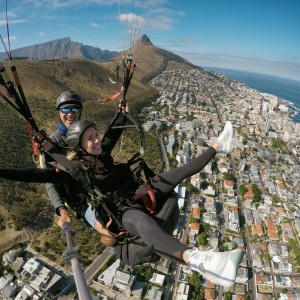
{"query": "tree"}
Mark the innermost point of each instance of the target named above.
(279, 144)
(190, 187)
(256, 192)
(204, 184)
(196, 289)
(173, 163)
(193, 219)
(144, 273)
(202, 239)
(242, 189)
(267, 256)
(191, 117)
(228, 176)
(227, 296)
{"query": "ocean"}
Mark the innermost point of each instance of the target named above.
(283, 88)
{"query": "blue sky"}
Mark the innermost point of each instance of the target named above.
(260, 36)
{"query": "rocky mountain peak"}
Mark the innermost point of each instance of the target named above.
(144, 40)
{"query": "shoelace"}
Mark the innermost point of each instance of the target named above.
(195, 250)
(211, 248)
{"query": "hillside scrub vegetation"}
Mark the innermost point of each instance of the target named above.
(26, 206)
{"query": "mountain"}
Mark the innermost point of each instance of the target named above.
(152, 60)
(44, 79)
(61, 48)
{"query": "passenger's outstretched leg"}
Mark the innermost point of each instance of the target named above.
(164, 183)
(138, 223)
(218, 267)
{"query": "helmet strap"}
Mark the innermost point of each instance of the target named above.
(86, 154)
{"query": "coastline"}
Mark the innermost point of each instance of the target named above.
(286, 90)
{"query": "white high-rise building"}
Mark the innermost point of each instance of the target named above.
(273, 104)
(286, 136)
(242, 165)
(267, 125)
(297, 129)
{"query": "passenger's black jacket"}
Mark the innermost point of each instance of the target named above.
(109, 179)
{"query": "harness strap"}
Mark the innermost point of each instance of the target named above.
(142, 166)
(110, 221)
(112, 97)
(35, 146)
(152, 196)
(150, 205)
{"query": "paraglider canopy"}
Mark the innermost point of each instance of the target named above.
(133, 16)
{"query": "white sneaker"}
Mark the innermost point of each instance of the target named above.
(218, 267)
(225, 139)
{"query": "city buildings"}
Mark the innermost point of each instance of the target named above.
(263, 220)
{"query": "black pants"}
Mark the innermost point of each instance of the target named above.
(139, 223)
(135, 221)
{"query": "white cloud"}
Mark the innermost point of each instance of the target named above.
(56, 4)
(132, 19)
(95, 25)
(9, 14)
(3, 22)
(164, 23)
(41, 33)
(12, 38)
(188, 40)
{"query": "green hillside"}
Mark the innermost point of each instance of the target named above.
(26, 206)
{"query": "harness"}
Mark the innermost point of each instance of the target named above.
(110, 207)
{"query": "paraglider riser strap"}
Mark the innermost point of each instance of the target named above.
(109, 210)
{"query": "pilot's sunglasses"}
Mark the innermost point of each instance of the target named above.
(67, 110)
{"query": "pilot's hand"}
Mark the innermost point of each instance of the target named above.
(64, 216)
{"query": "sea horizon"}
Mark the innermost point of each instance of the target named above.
(283, 88)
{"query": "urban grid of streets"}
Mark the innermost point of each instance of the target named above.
(197, 103)
(259, 119)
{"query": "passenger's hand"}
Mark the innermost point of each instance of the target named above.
(64, 216)
(106, 238)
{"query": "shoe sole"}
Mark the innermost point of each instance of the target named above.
(235, 257)
(229, 142)
(228, 146)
